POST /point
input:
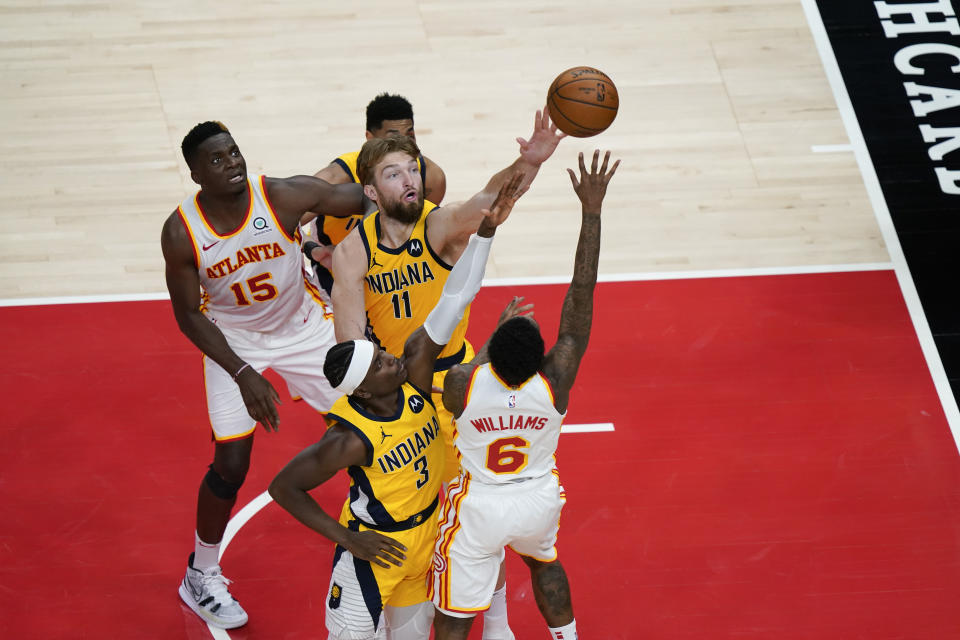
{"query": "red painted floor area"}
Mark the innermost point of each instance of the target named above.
(781, 468)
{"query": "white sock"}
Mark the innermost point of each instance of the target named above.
(567, 632)
(205, 555)
(495, 623)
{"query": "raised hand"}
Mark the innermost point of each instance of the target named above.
(514, 309)
(542, 142)
(260, 398)
(376, 547)
(592, 186)
(500, 210)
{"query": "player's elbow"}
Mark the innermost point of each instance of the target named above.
(280, 490)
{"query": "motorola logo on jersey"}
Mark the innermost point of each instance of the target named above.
(415, 248)
(416, 404)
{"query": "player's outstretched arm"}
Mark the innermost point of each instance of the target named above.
(183, 283)
(561, 363)
(450, 226)
(338, 449)
(297, 199)
(425, 344)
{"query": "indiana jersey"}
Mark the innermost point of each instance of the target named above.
(504, 433)
(397, 486)
(332, 230)
(253, 276)
(403, 285)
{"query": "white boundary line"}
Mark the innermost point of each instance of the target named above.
(831, 148)
(587, 428)
(882, 214)
(512, 282)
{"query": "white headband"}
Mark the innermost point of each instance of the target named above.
(359, 365)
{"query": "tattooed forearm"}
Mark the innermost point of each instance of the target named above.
(577, 315)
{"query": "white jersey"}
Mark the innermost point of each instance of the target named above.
(507, 434)
(253, 277)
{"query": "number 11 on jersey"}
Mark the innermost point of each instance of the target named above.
(401, 305)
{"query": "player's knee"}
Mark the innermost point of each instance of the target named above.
(224, 488)
(410, 623)
(337, 631)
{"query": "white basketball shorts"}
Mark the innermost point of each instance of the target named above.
(296, 353)
(477, 522)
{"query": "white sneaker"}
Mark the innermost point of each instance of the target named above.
(206, 593)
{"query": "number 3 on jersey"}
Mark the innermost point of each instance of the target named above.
(260, 289)
(401, 305)
(505, 455)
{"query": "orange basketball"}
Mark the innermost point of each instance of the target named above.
(583, 101)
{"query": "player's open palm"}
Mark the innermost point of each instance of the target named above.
(592, 185)
(500, 210)
(543, 142)
(376, 548)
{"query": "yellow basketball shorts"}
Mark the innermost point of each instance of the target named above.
(359, 589)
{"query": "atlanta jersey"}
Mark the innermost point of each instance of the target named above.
(403, 285)
(252, 276)
(507, 434)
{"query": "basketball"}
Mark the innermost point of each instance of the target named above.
(582, 101)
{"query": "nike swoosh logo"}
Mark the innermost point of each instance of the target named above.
(208, 246)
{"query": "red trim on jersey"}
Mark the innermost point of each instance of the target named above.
(444, 547)
(246, 218)
(315, 294)
(276, 220)
(193, 241)
(248, 434)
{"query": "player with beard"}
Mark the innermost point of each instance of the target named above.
(391, 269)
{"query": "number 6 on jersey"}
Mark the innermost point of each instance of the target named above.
(504, 455)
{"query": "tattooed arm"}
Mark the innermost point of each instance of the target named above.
(561, 363)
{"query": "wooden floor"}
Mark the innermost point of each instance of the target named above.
(721, 105)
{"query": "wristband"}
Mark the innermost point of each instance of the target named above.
(240, 370)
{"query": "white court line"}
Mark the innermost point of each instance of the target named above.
(241, 518)
(587, 428)
(512, 282)
(831, 148)
(882, 214)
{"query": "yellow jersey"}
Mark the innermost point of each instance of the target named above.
(397, 486)
(402, 286)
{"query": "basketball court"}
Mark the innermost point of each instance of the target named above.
(761, 442)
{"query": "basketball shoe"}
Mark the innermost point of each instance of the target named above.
(205, 591)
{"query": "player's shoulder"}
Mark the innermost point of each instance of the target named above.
(459, 376)
(174, 226)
